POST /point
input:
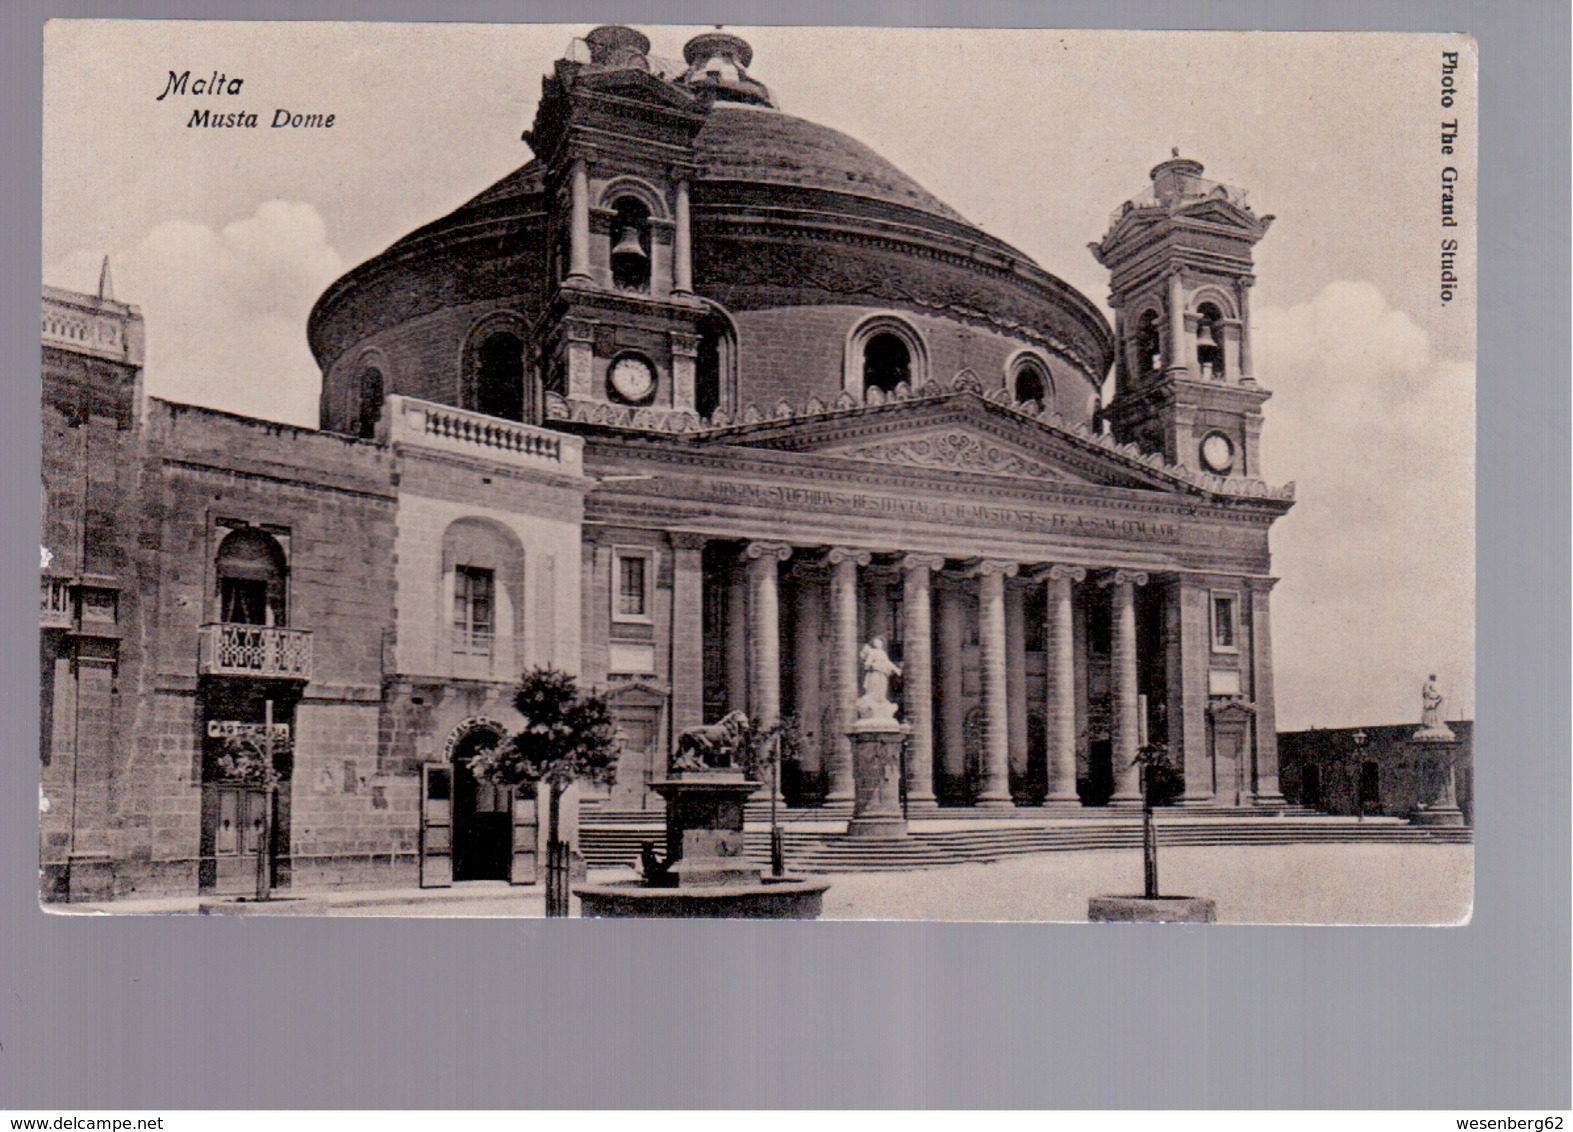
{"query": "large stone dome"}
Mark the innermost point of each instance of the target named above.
(756, 144)
(797, 231)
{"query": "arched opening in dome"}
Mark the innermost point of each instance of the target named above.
(715, 365)
(631, 244)
(1209, 341)
(1031, 382)
(369, 414)
(1149, 346)
(887, 362)
(251, 574)
(499, 377)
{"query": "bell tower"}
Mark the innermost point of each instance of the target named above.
(1179, 259)
(616, 141)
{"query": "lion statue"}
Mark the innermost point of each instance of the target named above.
(710, 746)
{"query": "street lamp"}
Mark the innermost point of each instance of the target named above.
(1359, 740)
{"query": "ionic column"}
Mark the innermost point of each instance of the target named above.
(579, 231)
(1268, 792)
(1127, 728)
(952, 729)
(1016, 676)
(917, 677)
(682, 257)
(688, 639)
(1245, 334)
(807, 674)
(736, 641)
(991, 576)
(843, 669)
(764, 559)
(1060, 707)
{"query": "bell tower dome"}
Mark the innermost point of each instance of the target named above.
(616, 142)
(1179, 259)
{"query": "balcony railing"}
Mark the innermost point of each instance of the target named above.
(255, 650)
(427, 425)
(54, 603)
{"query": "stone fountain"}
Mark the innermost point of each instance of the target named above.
(705, 872)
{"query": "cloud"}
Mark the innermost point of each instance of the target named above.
(226, 311)
(1377, 557)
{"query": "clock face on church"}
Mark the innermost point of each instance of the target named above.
(632, 379)
(1217, 453)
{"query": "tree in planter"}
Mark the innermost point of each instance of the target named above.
(568, 736)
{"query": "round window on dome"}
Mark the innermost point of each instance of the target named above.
(1030, 383)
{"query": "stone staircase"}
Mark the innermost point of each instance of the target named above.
(935, 843)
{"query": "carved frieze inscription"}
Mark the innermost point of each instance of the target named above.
(958, 450)
(943, 511)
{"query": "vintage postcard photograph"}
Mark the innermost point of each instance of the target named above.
(768, 473)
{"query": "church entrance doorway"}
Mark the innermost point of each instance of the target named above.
(482, 825)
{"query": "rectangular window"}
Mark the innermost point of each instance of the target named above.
(1226, 633)
(631, 577)
(473, 610)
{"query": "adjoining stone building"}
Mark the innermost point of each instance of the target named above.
(691, 404)
(1373, 771)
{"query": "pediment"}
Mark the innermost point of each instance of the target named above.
(1227, 214)
(963, 435)
(957, 449)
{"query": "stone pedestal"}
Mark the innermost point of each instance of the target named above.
(1439, 743)
(1151, 910)
(704, 828)
(876, 775)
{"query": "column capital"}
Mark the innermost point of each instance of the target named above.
(1260, 585)
(1059, 572)
(917, 563)
(1122, 578)
(836, 555)
(760, 550)
(991, 566)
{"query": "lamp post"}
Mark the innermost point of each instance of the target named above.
(777, 850)
(1359, 739)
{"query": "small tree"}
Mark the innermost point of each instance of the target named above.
(568, 737)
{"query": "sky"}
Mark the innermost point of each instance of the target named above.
(225, 238)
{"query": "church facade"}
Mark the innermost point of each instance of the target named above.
(693, 404)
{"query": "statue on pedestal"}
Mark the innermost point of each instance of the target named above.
(874, 704)
(1430, 704)
(1432, 729)
(711, 746)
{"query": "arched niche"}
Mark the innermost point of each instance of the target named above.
(494, 371)
(481, 604)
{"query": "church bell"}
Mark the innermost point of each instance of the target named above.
(628, 246)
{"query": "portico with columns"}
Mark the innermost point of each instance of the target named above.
(1046, 627)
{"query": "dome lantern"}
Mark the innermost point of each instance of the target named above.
(718, 64)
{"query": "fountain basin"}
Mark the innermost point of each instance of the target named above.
(769, 898)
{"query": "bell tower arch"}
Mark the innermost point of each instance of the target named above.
(1179, 256)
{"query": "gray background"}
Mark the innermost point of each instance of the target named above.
(118, 1013)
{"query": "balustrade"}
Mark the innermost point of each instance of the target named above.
(255, 650)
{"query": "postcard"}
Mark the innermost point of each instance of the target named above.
(781, 472)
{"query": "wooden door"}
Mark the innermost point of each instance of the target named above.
(522, 863)
(436, 825)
